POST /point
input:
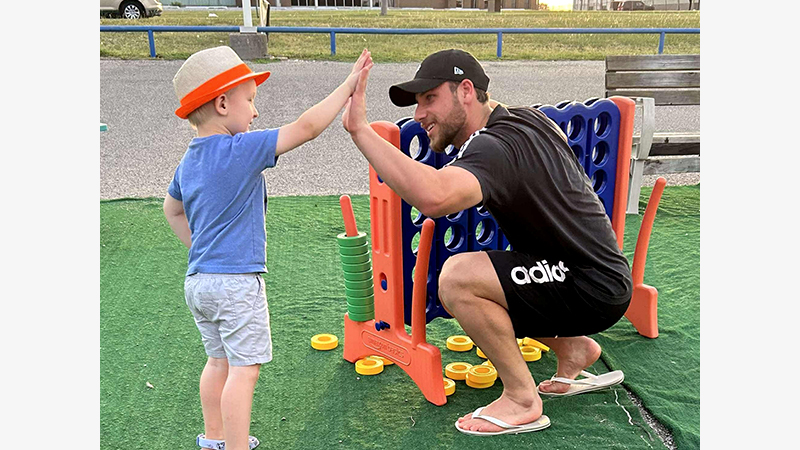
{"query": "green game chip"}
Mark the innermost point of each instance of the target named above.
(358, 267)
(361, 301)
(354, 241)
(355, 259)
(361, 317)
(357, 250)
(363, 292)
(353, 309)
(358, 284)
(358, 276)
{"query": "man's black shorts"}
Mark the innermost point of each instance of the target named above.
(544, 300)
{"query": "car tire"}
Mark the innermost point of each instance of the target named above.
(131, 10)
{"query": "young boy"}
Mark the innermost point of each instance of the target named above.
(216, 205)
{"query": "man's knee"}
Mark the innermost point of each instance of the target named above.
(467, 278)
(453, 281)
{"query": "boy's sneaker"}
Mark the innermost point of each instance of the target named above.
(218, 444)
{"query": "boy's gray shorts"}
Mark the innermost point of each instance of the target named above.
(231, 313)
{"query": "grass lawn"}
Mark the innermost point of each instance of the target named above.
(151, 354)
(405, 48)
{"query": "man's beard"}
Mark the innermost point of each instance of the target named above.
(449, 129)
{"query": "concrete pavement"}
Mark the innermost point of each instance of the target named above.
(145, 140)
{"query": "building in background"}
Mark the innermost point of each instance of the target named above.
(550, 5)
(435, 4)
(614, 5)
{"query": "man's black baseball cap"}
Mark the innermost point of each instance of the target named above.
(446, 65)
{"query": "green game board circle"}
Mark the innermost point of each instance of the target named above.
(357, 250)
(358, 276)
(363, 292)
(361, 317)
(361, 284)
(365, 309)
(358, 267)
(355, 259)
(354, 241)
(361, 301)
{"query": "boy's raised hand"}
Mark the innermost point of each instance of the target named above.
(364, 60)
(355, 112)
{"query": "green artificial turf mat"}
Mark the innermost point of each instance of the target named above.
(309, 399)
(665, 372)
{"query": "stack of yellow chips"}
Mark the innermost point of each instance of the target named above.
(481, 377)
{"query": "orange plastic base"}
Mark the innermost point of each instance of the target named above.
(643, 310)
(422, 362)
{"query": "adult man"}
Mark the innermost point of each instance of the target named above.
(565, 277)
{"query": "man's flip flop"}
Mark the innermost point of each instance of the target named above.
(591, 383)
(219, 444)
(538, 424)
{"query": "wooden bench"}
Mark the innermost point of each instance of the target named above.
(657, 80)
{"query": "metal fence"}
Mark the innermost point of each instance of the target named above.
(150, 30)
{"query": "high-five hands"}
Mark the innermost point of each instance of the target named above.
(364, 61)
(355, 112)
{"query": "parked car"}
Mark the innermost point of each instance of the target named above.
(634, 6)
(131, 9)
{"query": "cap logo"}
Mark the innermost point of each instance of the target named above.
(457, 70)
(418, 67)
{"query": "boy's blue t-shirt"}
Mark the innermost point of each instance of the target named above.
(224, 194)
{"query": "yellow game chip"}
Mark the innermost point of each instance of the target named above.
(449, 386)
(369, 366)
(459, 343)
(482, 374)
(531, 353)
(457, 370)
(324, 341)
(386, 362)
(534, 343)
(475, 385)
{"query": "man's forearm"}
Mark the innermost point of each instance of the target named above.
(413, 181)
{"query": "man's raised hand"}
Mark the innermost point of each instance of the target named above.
(355, 112)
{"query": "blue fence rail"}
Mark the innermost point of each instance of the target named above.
(150, 30)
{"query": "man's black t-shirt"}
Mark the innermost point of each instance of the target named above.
(541, 198)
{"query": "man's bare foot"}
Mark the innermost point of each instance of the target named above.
(574, 354)
(507, 410)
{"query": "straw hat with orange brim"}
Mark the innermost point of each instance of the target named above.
(209, 73)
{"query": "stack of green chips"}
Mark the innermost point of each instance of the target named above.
(357, 265)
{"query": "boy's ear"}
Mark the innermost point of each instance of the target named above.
(221, 105)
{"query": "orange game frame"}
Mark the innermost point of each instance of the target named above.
(423, 361)
(643, 310)
(420, 360)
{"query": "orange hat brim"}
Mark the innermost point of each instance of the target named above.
(184, 110)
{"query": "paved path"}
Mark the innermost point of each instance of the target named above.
(145, 140)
